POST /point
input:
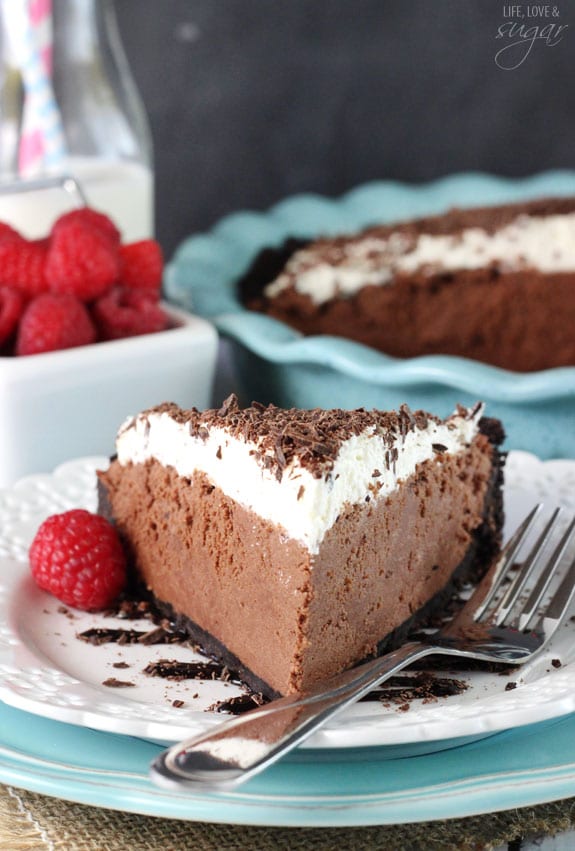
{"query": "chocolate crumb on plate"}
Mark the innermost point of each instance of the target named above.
(421, 686)
(104, 635)
(129, 608)
(173, 669)
(239, 705)
(112, 682)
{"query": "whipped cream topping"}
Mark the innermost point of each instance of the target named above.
(546, 243)
(368, 465)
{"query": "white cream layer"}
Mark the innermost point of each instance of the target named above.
(546, 243)
(306, 516)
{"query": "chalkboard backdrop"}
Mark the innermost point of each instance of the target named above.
(253, 100)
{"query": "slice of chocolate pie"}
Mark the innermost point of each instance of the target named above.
(293, 543)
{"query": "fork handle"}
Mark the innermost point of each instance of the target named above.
(244, 746)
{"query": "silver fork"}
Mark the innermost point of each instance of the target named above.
(504, 620)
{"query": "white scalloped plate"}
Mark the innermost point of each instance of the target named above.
(46, 670)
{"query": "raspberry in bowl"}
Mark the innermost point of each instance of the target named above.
(85, 340)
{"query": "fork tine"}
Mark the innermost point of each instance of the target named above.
(507, 558)
(530, 607)
(527, 570)
(564, 594)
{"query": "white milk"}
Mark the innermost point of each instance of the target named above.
(123, 190)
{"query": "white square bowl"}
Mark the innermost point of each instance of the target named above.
(62, 405)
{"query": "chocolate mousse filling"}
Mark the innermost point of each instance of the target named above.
(260, 603)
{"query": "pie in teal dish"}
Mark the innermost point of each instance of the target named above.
(272, 362)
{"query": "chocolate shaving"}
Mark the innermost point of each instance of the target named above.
(280, 458)
(101, 635)
(229, 404)
(112, 682)
(127, 608)
(173, 669)
(474, 410)
(159, 635)
(309, 437)
(421, 686)
(239, 705)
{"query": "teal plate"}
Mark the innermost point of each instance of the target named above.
(522, 767)
(274, 363)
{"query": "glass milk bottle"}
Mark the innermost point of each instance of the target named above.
(69, 108)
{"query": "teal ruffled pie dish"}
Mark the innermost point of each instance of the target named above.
(275, 363)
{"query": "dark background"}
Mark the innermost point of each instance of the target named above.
(253, 100)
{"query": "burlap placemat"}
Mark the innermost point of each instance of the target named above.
(29, 821)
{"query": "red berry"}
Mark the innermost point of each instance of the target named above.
(52, 322)
(77, 556)
(142, 265)
(81, 261)
(8, 234)
(124, 312)
(11, 308)
(23, 266)
(43, 242)
(91, 219)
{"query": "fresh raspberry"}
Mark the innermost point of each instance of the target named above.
(91, 219)
(124, 312)
(77, 556)
(141, 266)
(43, 242)
(8, 234)
(23, 266)
(81, 261)
(54, 321)
(11, 309)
